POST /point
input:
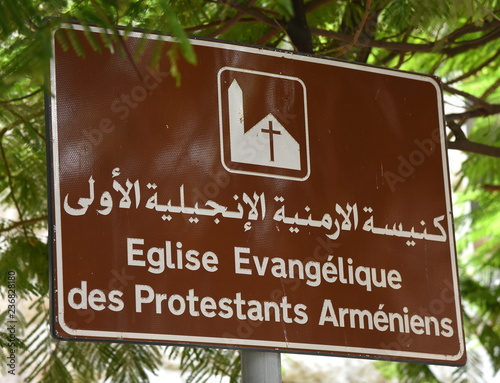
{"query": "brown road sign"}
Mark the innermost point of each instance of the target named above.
(271, 200)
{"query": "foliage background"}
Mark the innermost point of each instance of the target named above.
(457, 40)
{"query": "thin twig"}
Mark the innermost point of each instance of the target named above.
(474, 147)
(491, 188)
(263, 40)
(230, 23)
(463, 144)
(478, 112)
(250, 12)
(476, 100)
(315, 4)
(23, 223)
(21, 98)
(358, 31)
(435, 47)
(488, 92)
(26, 122)
(486, 9)
(474, 70)
(9, 180)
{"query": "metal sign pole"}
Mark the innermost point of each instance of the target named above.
(260, 366)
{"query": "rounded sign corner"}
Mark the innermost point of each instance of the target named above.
(62, 324)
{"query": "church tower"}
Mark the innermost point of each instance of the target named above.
(267, 143)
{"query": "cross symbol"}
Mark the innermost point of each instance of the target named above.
(271, 133)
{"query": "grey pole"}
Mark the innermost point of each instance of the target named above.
(260, 366)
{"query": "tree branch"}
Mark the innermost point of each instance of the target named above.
(476, 100)
(250, 12)
(435, 47)
(230, 23)
(9, 180)
(470, 28)
(204, 26)
(358, 31)
(486, 9)
(474, 70)
(315, 4)
(390, 45)
(462, 143)
(24, 223)
(464, 46)
(22, 97)
(491, 89)
(297, 28)
(478, 112)
(465, 145)
(263, 40)
(26, 122)
(491, 188)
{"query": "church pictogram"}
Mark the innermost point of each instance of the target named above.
(276, 147)
(271, 146)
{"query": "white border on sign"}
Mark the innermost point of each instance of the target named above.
(235, 342)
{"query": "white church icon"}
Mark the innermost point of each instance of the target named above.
(272, 144)
(277, 144)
